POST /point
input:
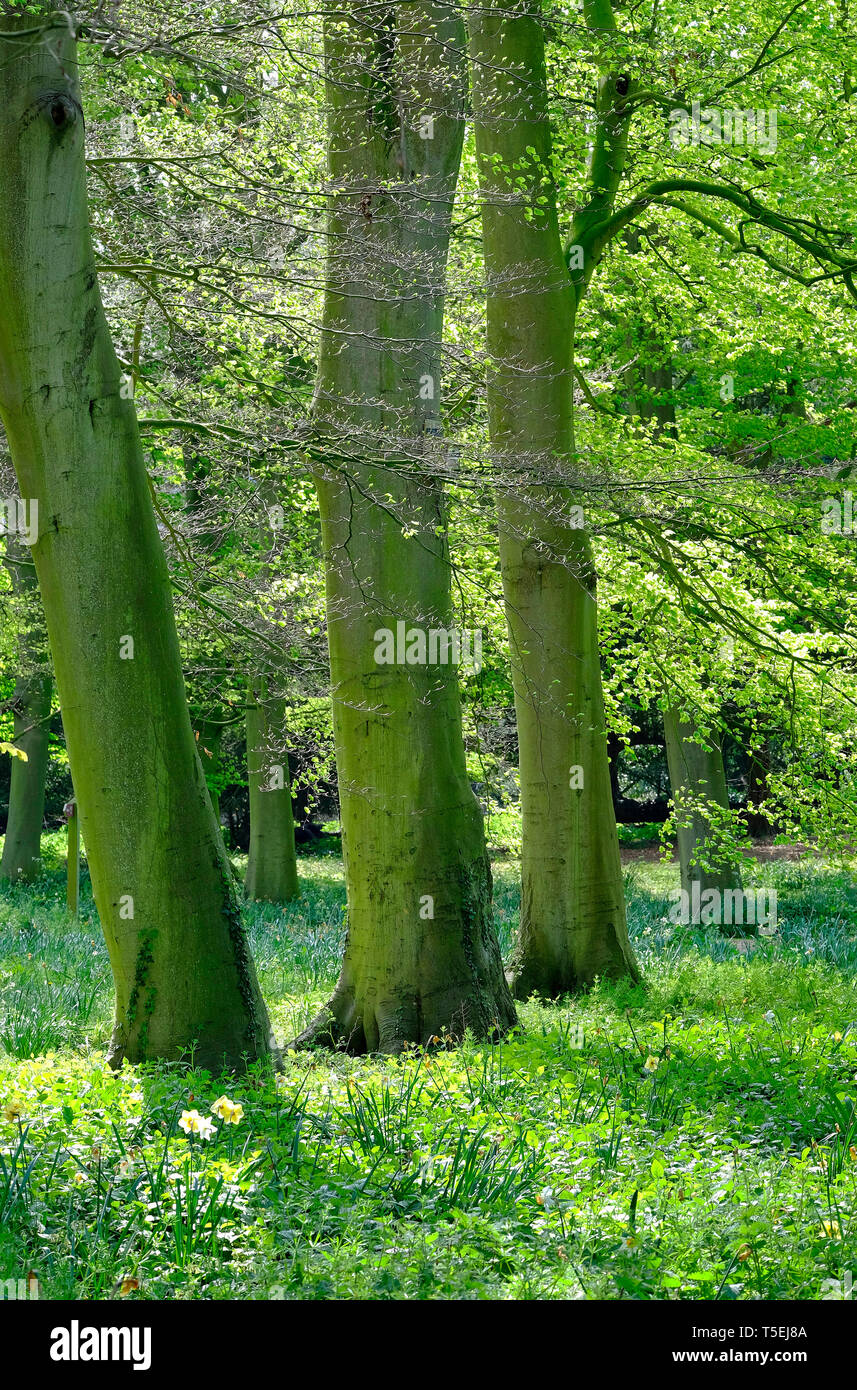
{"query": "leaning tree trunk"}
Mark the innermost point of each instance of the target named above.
(22, 846)
(697, 781)
(183, 973)
(421, 958)
(573, 924)
(272, 870)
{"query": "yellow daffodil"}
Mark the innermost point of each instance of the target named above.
(228, 1111)
(194, 1123)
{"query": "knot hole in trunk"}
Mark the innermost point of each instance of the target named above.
(61, 110)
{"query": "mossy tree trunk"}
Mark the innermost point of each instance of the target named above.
(573, 925)
(161, 881)
(272, 870)
(22, 846)
(421, 957)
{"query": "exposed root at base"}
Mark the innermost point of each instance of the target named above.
(345, 1027)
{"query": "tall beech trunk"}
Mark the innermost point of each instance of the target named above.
(421, 956)
(573, 924)
(161, 881)
(697, 777)
(272, 870)
(22, 846)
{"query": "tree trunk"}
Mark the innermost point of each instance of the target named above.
(697, 777)
(161, 881)
(22, 846)
(421, 957)
(573, 909)
(272, 870)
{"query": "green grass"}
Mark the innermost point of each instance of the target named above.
(647, 833)
(694, 1138)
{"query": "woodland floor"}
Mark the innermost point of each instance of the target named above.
(698, 1141)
